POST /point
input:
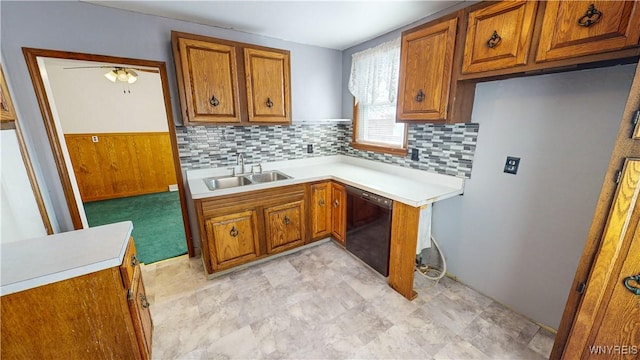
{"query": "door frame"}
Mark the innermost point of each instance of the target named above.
(31, 56)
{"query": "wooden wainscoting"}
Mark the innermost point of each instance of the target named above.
(121, 164)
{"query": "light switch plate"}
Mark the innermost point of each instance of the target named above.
(511, 166)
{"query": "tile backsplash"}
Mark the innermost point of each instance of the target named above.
(213, 146)
(444, 149)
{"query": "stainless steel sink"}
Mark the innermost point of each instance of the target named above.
(267, 176)
(225, 182)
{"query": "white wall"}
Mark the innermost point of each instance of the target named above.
(20, 217)
(518, 238)
(89, 103)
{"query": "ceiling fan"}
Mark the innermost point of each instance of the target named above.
(118, 73)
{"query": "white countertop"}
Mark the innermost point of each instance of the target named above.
(40, 261)
(409, 186)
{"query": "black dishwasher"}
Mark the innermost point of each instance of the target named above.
(369, 228)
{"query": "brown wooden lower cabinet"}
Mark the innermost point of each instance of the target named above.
(93, 316)
(233, 239)
(140, 314)
(339, 212)
(240, 228)
(320, 210)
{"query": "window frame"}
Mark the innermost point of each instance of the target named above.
(375, 147)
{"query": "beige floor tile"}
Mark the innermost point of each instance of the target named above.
(542, 342)
(460, 350)
(497, 342)
(240, 344)
(322, 303)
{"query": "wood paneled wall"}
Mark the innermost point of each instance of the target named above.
(121, 164)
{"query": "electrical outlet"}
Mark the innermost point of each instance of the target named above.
(94, 138)
(511, 166)
(414, 155)
(310, 149)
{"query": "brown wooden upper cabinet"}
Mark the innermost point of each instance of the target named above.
(268, 95)
(426, 64)
(499, 36)
(577, 28)
(208, 72)
(209, 81)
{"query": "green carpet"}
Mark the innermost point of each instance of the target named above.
(158, 230)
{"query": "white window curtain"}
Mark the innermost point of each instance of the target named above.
(375, 73)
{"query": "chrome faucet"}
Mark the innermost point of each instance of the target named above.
(240, 161)
(259, 167)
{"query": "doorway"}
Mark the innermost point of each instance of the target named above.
(110, 126)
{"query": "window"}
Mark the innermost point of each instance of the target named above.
(374, 85)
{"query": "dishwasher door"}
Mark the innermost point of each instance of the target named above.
(369, 228)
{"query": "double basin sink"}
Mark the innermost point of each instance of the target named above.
(231, 181)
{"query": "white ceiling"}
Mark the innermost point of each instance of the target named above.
(331, 24)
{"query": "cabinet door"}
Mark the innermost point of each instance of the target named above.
(609, 312)
(284, 225)
(320, 210)
(210, 81)
(129, 264)
(232, 239)
(338, 212)
(140, 314)
(576, 28)
(426, 64)
(499, 36)
(268, 85)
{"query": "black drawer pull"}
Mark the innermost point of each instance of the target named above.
(494, 40)
(234, 232)
(627, 283)
(144, 302)
(586, 19)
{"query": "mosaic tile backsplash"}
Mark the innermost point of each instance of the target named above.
(444, 149)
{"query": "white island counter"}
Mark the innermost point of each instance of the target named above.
(27, 264)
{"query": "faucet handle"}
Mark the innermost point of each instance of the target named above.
(233, 170)
(253, 167)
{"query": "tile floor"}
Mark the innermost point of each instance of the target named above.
(321, 303)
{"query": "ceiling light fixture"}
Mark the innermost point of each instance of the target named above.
(122, 74)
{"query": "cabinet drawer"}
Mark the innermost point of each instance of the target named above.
(129, 264)
(232, 239)
(499, 36)
(576, 28)
(284, 226)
